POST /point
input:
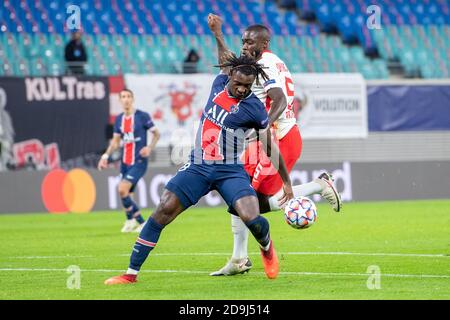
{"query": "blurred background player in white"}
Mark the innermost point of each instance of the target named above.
(6, 134)
(277, 94)
(131, 127)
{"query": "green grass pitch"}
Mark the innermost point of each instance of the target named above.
(334, 259)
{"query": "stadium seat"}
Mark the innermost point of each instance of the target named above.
(156, 35)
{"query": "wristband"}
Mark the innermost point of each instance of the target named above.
(105, 156)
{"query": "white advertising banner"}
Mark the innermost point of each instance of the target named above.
(331, 105)
(174, 101)
(327, 106)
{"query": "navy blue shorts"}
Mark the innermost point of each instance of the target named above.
(133, 173)
(193, 181)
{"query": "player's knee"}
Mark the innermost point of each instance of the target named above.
(247, 208)
(124, 190)
(163, 214)
(167, 210)
(247, 216)
(123, 193)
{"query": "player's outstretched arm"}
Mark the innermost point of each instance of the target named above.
(273, 152)
(113, 145)
(215, 25)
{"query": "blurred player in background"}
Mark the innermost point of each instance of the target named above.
(131, 127)
(6, 134)
(277, 94)
(230, 112)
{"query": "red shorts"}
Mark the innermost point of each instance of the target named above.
(265, 178)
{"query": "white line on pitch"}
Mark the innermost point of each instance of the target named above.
(49, 257)
(313, 254)
(372, 254)
(345, 274)
(254, 253)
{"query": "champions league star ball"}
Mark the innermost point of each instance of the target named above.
(300, 213)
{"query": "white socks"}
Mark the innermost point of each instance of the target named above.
(266, 248)
(131, 271)
(240, 236)
(305, 190)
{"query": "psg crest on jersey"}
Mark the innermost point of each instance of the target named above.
(234, 109)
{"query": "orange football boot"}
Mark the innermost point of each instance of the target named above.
(270, 261)
(123, 279)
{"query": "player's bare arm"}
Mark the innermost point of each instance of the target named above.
(215, 25)
(279, 104)
(113, 145)
(147, 150)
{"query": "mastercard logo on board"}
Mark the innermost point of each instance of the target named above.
(72, 191)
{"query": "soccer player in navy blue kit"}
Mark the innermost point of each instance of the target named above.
(131, 127)
(231, 112)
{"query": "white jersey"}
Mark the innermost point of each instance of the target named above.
(279, 77)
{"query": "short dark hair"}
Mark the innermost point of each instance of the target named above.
(260, 28)
(126, 90)
(245, 65)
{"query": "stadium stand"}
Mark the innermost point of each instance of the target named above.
(139, 36)
(416, 33)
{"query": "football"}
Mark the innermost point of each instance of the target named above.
(300, 213)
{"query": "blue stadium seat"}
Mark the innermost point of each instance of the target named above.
(181, 23)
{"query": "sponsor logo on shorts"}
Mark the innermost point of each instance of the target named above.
(185, 166)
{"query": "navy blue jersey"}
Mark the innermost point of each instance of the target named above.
(133, 131)
(224, 124)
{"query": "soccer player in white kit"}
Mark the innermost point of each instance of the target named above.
(277, 94)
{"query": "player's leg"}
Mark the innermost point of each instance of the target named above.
(133, 175)
(232, 184)
(179, 194)
(267, 181)
(268, 185)
(248, 210)
(128, 204)
(168, 209)
(239, 262)
(323, 185)
(254, 162)
(125, 188)
(257, 165)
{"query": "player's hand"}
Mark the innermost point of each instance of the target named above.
(145, 152)
(214, 23)
(228, 55)
(288, 194)
(102, 164)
